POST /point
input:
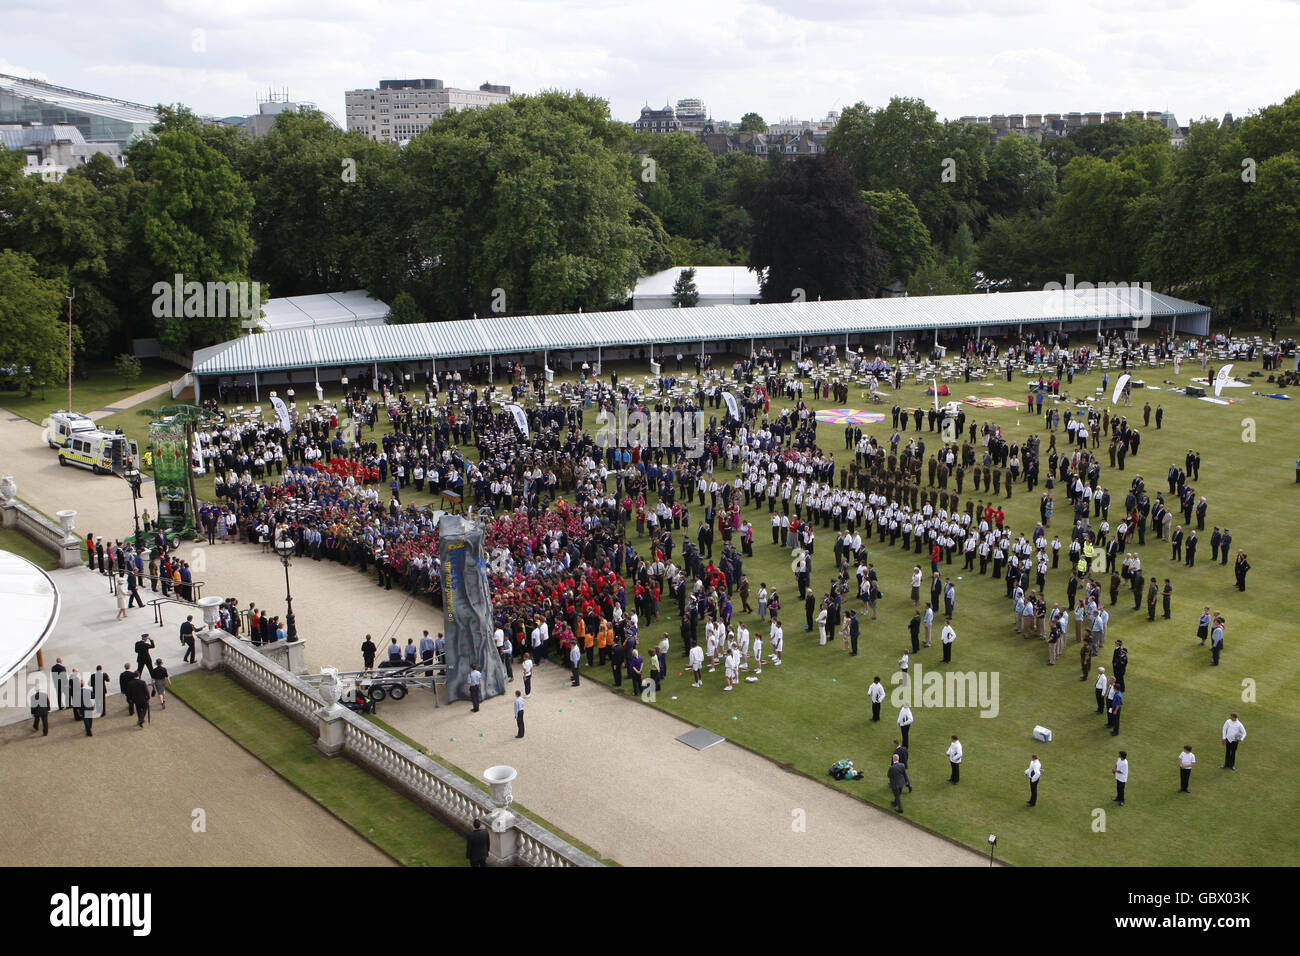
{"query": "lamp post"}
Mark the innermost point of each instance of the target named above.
(993, 841)
(132, 476)
(284, 547)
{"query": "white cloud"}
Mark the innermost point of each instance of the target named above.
(778, 57)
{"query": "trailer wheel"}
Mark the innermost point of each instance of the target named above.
(397, 692)
(376, 693)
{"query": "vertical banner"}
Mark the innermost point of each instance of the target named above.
(521, 420)
(467, 609)
(1119, 388)
(170, 446)
(731, 405)
(281, 414)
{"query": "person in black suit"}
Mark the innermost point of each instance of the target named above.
(898, 780)
(143, 647)
(99, 684)
(59, 677)
(477, 845)
(123, 683)
(138, 693)
(41, 712)
(368, 650)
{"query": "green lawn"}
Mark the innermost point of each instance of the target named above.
(11, 539)
(380, 814)
(100, 389)
(814, 710)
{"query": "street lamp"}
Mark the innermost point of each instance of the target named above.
(284, 547)
(993, 841)
(132, 476)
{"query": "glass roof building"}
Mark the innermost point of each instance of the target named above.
(100, 119)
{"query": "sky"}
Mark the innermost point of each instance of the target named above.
(782, 58)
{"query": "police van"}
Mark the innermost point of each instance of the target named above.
(101, 452)
(63, 425)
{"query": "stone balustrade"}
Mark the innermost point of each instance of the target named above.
(515, 840)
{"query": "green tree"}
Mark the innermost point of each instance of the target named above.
(815, 233)
(34, 346)
(935, 278)
(193, 221)
(902, 234)
(127, 367)
(319, 198)
(1018, 253)
(530, 197)
(752, 123)
(685, 295)
(1020, 178)
(403, 311)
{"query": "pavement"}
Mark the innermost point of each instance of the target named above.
(128, 797)
(638, 797)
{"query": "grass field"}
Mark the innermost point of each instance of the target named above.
(11, 539)
(374, 810)
(100, 389)
(814, 710)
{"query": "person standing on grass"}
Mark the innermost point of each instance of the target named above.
(946, 637)
(898, 780)
(954, 755)
(519, 714)
(1120, 772)
(777, 638)
(1186, 761)
(1234, 732)
(697, 665)
(877, 694)
(1034, 773)
(905, 721)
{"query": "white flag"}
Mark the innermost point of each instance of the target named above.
(1119, 388)
(731, 405)
(1222, 379)
(521, 420)
(281, 413)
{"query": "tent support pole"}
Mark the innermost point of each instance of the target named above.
(257, 396)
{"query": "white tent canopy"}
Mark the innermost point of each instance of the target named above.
(333, 346)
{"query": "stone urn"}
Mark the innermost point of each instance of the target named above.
(8, 489)
(330, 687)
(67, 517)
(499, 779)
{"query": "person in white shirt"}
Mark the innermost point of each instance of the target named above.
(777, 637)
(1121, 777)
(946, 637)
(697, 664)
(954, 759)
(905, 721)
(731, 666)
(711, 642)
(1034, 772)
(903, 665)
(742, 644)
(1234, 732)
(1186, 761)
(758, 652)
(877, 694)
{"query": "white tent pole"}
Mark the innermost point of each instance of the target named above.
(257, 397)
(891, 343)
(198, 392)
